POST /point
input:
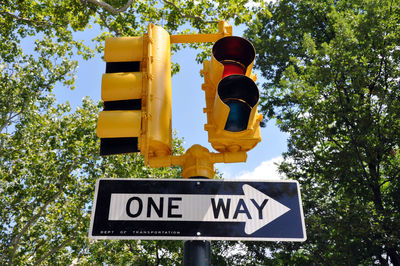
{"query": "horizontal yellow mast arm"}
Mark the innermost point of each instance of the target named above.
(224, 29)
(196, 38)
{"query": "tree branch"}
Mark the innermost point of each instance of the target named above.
(336, 142)
(17, 238)
(350, 126)
(157, 255)
(63, 244)
(103, 19)
(77, 260)
(111, 9)
(25, 20)
(183, 15)
(54, 250)
(394, 176)
(15, 241)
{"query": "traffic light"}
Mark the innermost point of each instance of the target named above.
(136, 90)
(233, 123)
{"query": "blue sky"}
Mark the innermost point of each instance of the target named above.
(188, 119)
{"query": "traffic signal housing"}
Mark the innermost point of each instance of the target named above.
(136, 90)
(233, 122)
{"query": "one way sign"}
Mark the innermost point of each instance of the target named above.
(197, 209)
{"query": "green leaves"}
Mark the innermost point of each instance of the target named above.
(48, 171)
(49, 158)
(332, 78)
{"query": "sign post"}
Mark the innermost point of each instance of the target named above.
(197, 209)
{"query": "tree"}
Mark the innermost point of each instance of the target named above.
(49, 167)
(332, 70)
(49, 158)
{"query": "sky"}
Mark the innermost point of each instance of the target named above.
(188, 119)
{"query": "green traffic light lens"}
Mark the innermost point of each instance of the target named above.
(238, 117)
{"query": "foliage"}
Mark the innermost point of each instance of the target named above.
(49, 158)
(48, 170)
(332, 70)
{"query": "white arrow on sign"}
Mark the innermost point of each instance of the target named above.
(254, 208)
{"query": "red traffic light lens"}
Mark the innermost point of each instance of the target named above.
(232, 68)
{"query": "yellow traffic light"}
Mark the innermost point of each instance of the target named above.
(233, 123)
(136, 90)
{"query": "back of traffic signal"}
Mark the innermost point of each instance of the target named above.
(136, 90)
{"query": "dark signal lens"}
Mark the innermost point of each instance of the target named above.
(240, 94)
(234, 49)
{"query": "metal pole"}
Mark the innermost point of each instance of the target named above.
(196, 253)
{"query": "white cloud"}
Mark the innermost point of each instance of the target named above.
(267, 170)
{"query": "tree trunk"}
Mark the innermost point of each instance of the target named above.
(394, 256)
